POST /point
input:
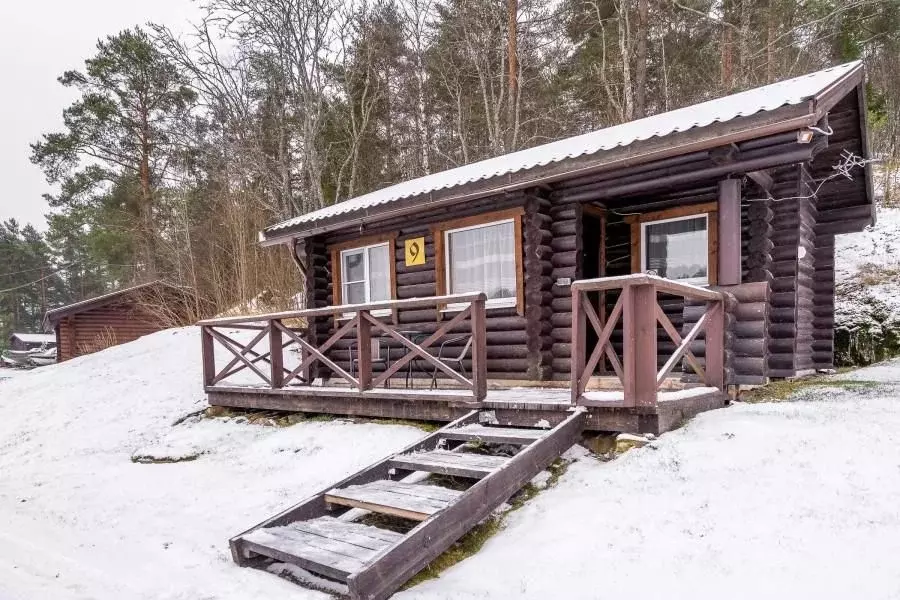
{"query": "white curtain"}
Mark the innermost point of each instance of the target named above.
(483, 259)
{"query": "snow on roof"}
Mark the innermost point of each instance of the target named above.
(766, 98)
(34, 338)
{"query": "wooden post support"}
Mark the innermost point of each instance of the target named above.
(729, 272)
(207, 350)
(639, 332)
(715, 345)
(479, 348)
(579, 343)
(276, 355)
(364, 350)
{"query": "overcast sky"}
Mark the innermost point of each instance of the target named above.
(39, 39)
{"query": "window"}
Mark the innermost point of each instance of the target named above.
(677, 248)
(482, 258)
(365, 274)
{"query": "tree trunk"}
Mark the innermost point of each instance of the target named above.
(727, 46)
(624, 47)
(640, 67)
(512, 9)
(148, 232)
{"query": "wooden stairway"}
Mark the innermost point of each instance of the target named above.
(322, 535)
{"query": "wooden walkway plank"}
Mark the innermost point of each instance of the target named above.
(305, 551)
(494, 435)
(405, 500)
(365, 536)
(456, 464)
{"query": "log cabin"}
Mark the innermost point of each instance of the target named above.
(111, 319)
(643, 271)
(30, 341)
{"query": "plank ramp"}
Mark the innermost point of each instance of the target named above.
(322, 535)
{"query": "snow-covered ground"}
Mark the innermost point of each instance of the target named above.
(867, 263)
(79, 519)
(798, 499)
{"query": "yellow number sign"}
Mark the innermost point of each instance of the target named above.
(415, 252)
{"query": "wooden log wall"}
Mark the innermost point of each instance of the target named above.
(318, 292)
(806, 268)
(784, 270)
(566, 228)
(519, 346)
(823, 303)
(747, 334)
(538, 267)
(113, 324)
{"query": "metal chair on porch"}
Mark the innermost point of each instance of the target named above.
(456, 359)
(381, 355)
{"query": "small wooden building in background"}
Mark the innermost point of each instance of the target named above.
(112, 319)
(30, 341)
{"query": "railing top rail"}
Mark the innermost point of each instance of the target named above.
(349, 308)
(668, 286)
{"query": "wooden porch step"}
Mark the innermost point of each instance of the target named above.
(494, 435)
(407, 500)
(372, 562)
(325, 545)
(456, 464)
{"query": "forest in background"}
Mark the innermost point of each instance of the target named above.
(180, 148)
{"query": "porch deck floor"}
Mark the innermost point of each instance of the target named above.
(508, 398)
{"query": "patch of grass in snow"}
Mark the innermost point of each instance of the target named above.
(779, 391)
(870, 274)
(161, 460)
(472, 542)
(274, 418)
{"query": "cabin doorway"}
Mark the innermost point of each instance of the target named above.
(593, 265)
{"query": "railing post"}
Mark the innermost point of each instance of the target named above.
(276, 355)
(579, 343)
(479, 348)
(364, 350)
(715, 345)
(639, 345)
(208, 352)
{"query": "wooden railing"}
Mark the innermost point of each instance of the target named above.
(271, 370)
(640, 314)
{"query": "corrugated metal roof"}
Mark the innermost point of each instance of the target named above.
(34, 338)
(75, 307)
(766, 98)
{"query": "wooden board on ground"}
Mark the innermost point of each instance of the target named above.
(406, 500)
(456, 464)
(494, 435)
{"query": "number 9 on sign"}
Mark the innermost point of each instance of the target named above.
(415, 251)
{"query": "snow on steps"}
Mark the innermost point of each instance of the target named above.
(374, 562)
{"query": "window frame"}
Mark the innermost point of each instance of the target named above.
(441, 235)
(505, 302)
(710, 209)
(338, 251)
(699, 281)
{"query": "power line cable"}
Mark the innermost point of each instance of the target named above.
(30, 283)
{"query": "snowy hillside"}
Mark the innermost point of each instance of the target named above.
(79, 519)
(753, 501)
(867, 276)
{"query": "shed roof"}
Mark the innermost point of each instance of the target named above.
(602, 144)
(56, 314)
(34, 338)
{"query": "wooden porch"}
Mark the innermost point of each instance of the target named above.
(439, 372)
